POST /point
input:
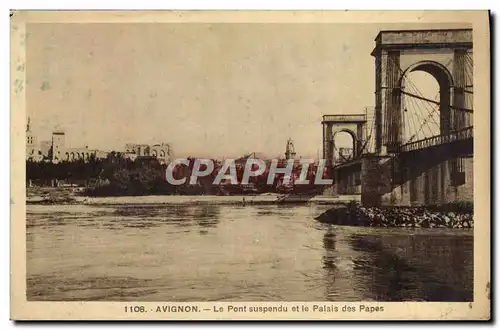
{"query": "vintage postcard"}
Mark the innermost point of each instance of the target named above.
(259, 165)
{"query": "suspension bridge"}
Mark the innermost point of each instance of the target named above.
(411, 148)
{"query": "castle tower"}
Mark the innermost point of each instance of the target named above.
(290, 150)
(58, 146)
(30, 142)
(30, 138)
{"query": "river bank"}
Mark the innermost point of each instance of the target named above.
(449, 216)
(71, 196)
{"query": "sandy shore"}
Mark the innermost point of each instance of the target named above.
(259, 199)
(71, 196)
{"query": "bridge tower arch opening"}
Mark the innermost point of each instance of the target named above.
(425, 101)
(343, 127)
(344, 143)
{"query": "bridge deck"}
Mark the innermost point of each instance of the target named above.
(462, 134)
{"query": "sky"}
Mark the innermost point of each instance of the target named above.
(214, 90)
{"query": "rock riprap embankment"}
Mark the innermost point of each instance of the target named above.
(416, 217)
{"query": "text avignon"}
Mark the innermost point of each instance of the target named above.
(177, 309)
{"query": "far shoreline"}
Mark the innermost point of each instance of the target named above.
(263, 199)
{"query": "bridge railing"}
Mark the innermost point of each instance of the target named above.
(462, 134)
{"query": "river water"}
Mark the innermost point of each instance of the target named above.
(236, 253)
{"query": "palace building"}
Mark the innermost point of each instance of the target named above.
(56, 151)
(161, 151)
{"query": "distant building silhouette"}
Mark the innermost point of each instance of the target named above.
(161, 151)
(55, 150)
(290, 150)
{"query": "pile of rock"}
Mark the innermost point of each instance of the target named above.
(356, 215)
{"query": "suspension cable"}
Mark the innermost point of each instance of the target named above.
(415, 122)
(429, 111)
(436, 102)
(424, 124)
(421, 96)
(421, 129)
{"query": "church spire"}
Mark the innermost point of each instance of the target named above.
(290, 149)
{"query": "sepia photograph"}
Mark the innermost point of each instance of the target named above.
(203, 164)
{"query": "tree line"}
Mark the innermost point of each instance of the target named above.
(117, 175)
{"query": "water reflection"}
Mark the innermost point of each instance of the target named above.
(413, 267)
(387, 275)
(397, 266)
(329, 263)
